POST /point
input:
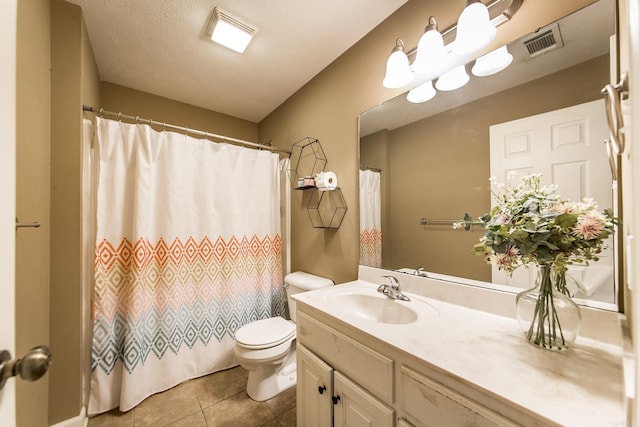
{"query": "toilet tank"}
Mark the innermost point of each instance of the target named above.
(299, 281)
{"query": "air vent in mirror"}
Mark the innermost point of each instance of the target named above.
(544, 40)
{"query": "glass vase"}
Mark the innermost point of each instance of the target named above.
(548, 318)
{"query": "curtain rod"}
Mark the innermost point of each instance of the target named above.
(185, 129)
(369, 168)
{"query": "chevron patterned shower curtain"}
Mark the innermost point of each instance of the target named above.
(187, 250)
(370, 219)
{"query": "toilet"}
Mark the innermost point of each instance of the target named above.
(267, 349)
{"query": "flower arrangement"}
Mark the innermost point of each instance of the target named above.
(530, 224)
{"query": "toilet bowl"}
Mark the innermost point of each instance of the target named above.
(267, 349)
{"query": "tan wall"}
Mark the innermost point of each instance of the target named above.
(440, 168)
(328, 106)
(135, 103)
(33, 89)
(66, 298)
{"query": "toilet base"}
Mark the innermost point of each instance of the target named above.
(269, 380)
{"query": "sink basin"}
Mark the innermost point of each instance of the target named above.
(376, 308)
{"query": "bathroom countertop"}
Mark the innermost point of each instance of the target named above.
(582, 386)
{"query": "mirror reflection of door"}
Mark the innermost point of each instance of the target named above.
(566, 146)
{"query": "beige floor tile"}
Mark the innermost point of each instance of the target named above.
(288, 419)
(282, 402)
(195, 420)
(219, 386)
(164, 408)
(237, 411)
(113, 418)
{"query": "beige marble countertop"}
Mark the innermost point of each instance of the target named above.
(582, 386)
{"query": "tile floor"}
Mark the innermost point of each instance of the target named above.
(218, 399)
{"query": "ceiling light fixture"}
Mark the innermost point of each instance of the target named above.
(434, 59)
(229, 31)
(492, 63)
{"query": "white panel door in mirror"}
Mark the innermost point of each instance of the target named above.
(567, 147)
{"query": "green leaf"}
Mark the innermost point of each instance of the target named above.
(566, 220)
(528, 246)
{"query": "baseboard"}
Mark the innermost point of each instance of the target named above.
(80, 421)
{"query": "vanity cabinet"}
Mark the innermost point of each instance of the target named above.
(336, 375)
(327, 397)
(343, 381)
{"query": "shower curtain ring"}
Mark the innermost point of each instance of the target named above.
(101, 110)
(119, 116)
(137, 119)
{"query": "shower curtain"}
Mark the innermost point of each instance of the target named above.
(188, 249)
(370, 219)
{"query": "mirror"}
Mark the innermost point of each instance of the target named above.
(434, 159)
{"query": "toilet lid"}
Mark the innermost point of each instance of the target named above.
(265, 333)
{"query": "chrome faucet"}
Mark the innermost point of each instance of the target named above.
(392, 289)
(420, 272)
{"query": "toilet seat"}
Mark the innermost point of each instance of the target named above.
(265, 333)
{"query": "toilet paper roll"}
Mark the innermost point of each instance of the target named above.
(326, 181)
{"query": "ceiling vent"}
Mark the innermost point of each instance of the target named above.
(544, 40)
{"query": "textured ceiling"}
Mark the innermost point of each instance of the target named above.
(160, 47)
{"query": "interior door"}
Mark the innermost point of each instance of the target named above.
(567, 147)
(7, 196)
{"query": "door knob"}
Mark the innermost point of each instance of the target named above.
(30, 367)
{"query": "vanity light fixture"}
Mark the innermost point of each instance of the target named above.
(492, 63)
(454, 79)
(435, 59)
(474, 30)
(398, 71)
(229, 31)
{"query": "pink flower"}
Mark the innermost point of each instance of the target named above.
(502, 261)
(590, 226)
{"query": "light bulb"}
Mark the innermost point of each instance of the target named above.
(452, 80)
(492, 63)
(430, 48)
(398, 70)
(474, 30)
(422, 93)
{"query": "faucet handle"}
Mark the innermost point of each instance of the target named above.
(393, 282)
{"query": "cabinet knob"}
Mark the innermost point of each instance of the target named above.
(322, 389)
(335, 399)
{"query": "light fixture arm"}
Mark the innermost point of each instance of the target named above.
(433, 24)
(399, 47)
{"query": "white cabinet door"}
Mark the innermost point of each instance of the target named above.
(314, 390)
(354, 407)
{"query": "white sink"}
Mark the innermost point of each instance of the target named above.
(366, 304)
